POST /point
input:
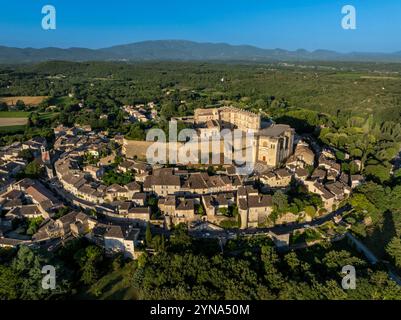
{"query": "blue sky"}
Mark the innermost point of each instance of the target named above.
(287, 24)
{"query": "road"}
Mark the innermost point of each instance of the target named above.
(397, 161)
(371, 257)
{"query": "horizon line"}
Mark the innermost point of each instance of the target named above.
(201, 42)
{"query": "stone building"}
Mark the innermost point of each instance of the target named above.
(275, 144)
(229, 117)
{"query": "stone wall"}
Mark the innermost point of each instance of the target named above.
(138, 149)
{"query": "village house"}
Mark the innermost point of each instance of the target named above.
(327, 197)
(304, 155)
(319, 174)
(254, 210)
(139, 215)
(91, 194)
(201, 183)
(167, 205)
(162, 182)
(35, 145)
(73, 224)
(95, 172)
(338, 189)
(12, 243)
(213, 203)
(301, 174)
(31, 192)
(275, 144)
(122, 207)
(28, 211)
(344, 178)
(177, 209)
(329, 164)
(116, 239)
(126, 166)
(280, 178)
(184, 211)
(139, 199)
(356, 180)
(12, 168)
(76, 223)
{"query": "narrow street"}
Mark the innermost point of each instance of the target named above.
(279, 230)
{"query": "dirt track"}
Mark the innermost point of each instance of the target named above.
(5, 122)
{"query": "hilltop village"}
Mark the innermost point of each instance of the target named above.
(101, 187)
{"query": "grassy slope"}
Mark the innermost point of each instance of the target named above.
(112, 286)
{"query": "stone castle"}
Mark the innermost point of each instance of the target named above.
(273, 144)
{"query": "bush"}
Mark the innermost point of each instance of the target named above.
(229, 224)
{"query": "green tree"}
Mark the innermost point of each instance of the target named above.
(280, 201)
(9, 283)
(200, 210)
(148, 235)
(393, 249)
(89, 259)
(33, 170)
(33, 225)
(136, 132)
(378, 173)
(26, 154)
(310, 211)
(3, 106)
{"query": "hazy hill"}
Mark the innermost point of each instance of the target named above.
(184, 50)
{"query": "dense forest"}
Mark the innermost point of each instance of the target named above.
(346, 89)
(195, 269)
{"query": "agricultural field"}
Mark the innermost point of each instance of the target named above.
(12, 129)
(12, 122)
(28, 100)
(4, 122)
(14, 114)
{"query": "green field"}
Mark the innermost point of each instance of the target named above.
(26, 114)
(12, 129)
(13, 122)
(14, 114)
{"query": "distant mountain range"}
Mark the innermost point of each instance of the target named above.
(182, 50)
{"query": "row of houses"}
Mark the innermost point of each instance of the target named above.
(167, 181)
(83, 185)
(140, 112)
(11, 161)
(53, 233)
(29, 198)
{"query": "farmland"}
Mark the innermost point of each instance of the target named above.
(12, 122)
(14, 114)
(10, 129)
(28, 100)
